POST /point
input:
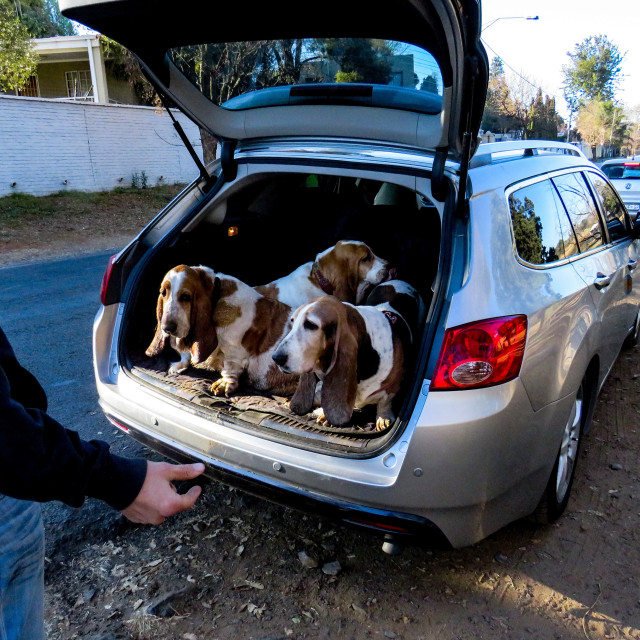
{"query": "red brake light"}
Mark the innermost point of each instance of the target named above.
(481, 354)
(631, 164)
(105, 279)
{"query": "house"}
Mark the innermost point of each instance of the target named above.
(73, 68)
(77, 126)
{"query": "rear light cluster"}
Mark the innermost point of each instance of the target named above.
(105, 279)
(481, 354)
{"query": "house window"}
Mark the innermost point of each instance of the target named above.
(30, 89)
(79, 85)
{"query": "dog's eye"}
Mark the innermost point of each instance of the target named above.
(185, 297)
(310, 326)
(163, 293)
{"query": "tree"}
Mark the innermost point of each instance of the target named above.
(430, 84)
(123, 65)
(18, 59)
(631, 144)
(593, 123)
(362, 60)
(508, 100)
(498, 102)
(593, 73)
(542, 119)
(41, 18)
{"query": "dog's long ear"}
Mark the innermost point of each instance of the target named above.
(302, 399)
(340, 384)
(203, 334)
(159, 339)
(344, 270)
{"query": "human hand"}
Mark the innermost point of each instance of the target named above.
(158, 498)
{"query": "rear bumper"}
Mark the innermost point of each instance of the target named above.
(384, 523)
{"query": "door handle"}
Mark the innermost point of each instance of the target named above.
(632, 264)
(602, 281)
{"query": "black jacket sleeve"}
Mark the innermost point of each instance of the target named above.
(41, 460)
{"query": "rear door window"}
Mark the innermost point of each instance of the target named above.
(582, 210)
(542, 231)
(615, 216)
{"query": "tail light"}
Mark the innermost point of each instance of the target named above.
(481, 354)
(105, 279)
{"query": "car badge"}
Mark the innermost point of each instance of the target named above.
(627, 186)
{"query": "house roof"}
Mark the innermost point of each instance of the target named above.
(63, 48)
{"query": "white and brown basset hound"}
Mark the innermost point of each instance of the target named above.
(234, 332)
(348, 271)
(183, 312)
(358, 354)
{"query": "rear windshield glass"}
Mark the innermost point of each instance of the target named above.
(631, 172)
(364, 71)
(613, 171)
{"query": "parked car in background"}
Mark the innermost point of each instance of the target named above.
(522, 252)
(624, 174)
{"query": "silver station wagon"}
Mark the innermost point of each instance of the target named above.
(362, 125)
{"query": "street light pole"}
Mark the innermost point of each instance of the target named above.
(510, 18)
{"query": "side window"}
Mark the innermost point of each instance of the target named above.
(542, 231)
(614, 213)
(582, 210)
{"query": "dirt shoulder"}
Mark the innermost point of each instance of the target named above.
(238, 567)
(74, 223)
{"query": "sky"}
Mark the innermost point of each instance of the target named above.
(537, 49)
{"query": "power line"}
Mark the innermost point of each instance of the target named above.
(506, 64)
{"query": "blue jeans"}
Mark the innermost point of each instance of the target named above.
(21, 570)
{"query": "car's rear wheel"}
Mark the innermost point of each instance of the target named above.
(556, 495)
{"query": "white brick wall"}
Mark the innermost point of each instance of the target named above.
(93, 147)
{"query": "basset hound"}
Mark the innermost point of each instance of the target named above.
(348, 271)
(183, 313)
(235, 331)
(358, 353)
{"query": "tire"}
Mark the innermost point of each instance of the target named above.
(632, 339)
(558, 490)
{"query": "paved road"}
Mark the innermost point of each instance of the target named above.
(47, 311)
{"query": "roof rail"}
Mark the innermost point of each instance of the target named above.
(489, 152)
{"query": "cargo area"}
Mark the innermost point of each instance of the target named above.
(261, 229)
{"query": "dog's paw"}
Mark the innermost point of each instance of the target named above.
(178, 367)
(382, 424)
(321, 418)
(223, 387)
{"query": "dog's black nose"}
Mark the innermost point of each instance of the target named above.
(280, 358)
(169, 327)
